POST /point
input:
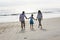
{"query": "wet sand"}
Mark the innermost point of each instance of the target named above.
(12, 30)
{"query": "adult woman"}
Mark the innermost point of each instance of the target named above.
(39, 17)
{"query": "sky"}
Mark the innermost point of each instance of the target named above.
(29, 4)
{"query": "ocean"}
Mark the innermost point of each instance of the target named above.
(13, 17)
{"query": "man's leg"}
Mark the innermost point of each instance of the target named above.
(21, 25)
(24, 24)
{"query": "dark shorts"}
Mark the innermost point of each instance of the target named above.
(31, 22)
(39, 21)
(22, 21)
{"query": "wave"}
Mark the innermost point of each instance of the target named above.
(9, 14)
(27, 13)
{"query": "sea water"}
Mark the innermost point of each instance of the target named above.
(13, 18)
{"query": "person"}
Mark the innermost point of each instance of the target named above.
(39, 17)
(22, 20)
(31, 22)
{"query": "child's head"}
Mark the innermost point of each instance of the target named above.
(32, 15)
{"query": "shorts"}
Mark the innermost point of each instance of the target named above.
(22, 21)
(31, 22)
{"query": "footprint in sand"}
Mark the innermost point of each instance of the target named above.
(25, 37)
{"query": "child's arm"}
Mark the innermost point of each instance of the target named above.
(34, 18)
(28, 18)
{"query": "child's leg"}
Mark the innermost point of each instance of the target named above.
(30, 26)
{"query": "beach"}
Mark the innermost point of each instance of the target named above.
(50, 31)
(11, 10)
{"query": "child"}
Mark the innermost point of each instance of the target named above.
(31, 22)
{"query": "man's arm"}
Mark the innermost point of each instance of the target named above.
(25, 16)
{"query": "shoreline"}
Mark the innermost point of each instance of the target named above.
(28, 20)
(16, 18)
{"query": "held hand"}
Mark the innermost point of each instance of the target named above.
(27, 18)
(36, 19)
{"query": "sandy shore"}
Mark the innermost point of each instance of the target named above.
(12, 30)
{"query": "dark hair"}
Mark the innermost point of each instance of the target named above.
(39, 11)
(23, 12)
(32, 15)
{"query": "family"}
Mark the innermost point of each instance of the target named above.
(22, 20)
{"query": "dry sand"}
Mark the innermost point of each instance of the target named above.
(12, 30)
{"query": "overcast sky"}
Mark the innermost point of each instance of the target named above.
(4, 3)
(32, 4)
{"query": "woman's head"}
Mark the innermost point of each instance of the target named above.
(39, 11)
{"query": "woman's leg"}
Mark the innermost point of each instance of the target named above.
(39, 20)
(40, 24)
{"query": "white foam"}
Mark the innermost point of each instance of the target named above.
(16, 18)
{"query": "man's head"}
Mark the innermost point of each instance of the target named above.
(23, 12)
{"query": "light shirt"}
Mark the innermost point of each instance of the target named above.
(39, 16)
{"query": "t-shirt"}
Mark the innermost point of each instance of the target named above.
(22, 17)
(31, 18)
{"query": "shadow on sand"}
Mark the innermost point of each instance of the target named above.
(33, 30)
(22, 31)
(44, 29)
